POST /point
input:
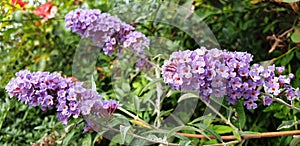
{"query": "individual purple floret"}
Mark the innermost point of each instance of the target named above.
(218, 73)
(267, 100)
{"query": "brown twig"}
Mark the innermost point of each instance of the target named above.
(247, 136)
(278, 39)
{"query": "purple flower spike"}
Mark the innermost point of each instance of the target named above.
(107, 32)
(218, 73)
(51, 90)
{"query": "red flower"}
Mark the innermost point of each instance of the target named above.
(47, 11)
(20, 2)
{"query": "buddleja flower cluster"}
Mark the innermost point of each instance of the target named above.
(221, 73)
(51, 90)
(93, 104)
(108, 32)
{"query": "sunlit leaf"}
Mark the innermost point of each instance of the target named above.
(237, 135)
(68, 138)
(296, 36)
(126, 87)
(290, 1)
(184, 143)
(141, 123)
(183, 127)
(123, 131)
(150, 84)
(87, 140)
(98, 137)
(295, 141)
(136, 103)
(187, 96)
(287, 124)
(205, 117)
(248, 132)
(222, 129)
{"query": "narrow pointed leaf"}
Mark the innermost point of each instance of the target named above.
(187, 96)
(241, 114)
(123, 131)
(87, 141)
(287, 124)
(150, 84)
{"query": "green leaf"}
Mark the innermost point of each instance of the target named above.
(42, 64)
(123, 131)
(280, 115)
(286, 60)
(184, 143)
(237, 135)
(298, 73)
(267, 63)
(187, 96)
(287, 124)
(137, 141)
(68, 138)
(183, 127)
(120, 93)
(160, 131)
(99, 134)
(150, 84)
(126, 87)
(4, 111)
(172, 92)
(222, 129)
(94, 88)
(296, 36)
(290, 1)
(87, 141)
(166, 113)
(210, 130)
(248, 132)
(18, 15)
(205, 117)
(298, 54)
(241, 113)
(295, 141)
(137, 104)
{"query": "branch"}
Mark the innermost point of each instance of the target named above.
(278, 39)
(281, 56)
(282, 102)
(286, 104)
(144, 138)
(247, 136)
(136, 119)
(220, 115)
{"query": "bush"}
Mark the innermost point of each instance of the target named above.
(35, 38)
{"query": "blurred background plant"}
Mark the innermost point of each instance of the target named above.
(34, 37)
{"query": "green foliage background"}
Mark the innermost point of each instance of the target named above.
(238, 26)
